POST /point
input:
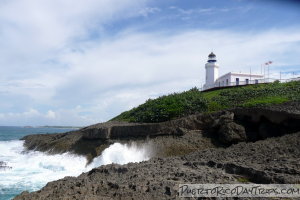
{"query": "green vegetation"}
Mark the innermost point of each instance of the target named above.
(166, 107)
(193, 101)
(243, 180)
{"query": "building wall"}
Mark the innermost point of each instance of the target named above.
(230, 79)
(212, 73)
(224, 80)
(212, 78)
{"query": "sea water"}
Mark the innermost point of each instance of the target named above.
(31, 170)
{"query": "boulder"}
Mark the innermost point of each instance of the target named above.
(226, 117)
(231, 133)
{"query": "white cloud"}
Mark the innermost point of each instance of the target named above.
(122, 73)
(149, 11)
(207, 11)
(35, 31)
(109, 77)
(34, 117)
(51, 114)
(52, 74)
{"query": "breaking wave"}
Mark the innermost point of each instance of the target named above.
(32, 170)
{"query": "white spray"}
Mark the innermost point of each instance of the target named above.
(32, 170)
(121, 154)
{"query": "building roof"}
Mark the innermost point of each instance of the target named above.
(241, 74)
(211, 55)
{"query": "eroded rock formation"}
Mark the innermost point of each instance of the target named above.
(257, 145)
(220, 128)
(274, 160)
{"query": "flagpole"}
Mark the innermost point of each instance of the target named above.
(268, 73)
(250, 75)
(269, 63)
(264, 73)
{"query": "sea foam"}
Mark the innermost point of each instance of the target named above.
(32, 170)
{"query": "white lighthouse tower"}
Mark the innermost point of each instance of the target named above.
(212, 71)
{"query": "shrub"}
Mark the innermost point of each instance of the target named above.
(166, 107)
(193, 101)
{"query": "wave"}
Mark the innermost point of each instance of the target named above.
(31, 170)
(121, 154)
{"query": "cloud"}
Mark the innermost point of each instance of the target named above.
(149, 11)
(34, 117)
(54, 70)
(110, 76)
(195, 12)
(51, 114)
(37, 31)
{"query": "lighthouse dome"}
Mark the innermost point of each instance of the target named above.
(211, 55)
(212, 58)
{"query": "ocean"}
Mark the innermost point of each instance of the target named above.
(31, 170)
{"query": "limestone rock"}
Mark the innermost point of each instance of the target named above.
(274, 160)
(232, 133)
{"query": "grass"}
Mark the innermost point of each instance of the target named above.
(211, 94)
(177, 105)
(265, 101)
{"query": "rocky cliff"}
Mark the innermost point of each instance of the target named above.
(258, 145)
(190, 133)
(274, 160)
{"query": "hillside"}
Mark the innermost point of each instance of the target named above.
(248, 144)
(177, 105)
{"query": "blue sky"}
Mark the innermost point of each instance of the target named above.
(83, 62)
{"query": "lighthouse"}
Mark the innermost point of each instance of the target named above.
(212, 70)
(212, 79)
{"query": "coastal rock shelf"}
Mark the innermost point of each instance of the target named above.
(256, 145)
(194, 131)
(274, 160)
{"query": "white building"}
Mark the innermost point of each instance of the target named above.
(230, 79)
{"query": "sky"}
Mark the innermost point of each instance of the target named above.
(66, 62)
